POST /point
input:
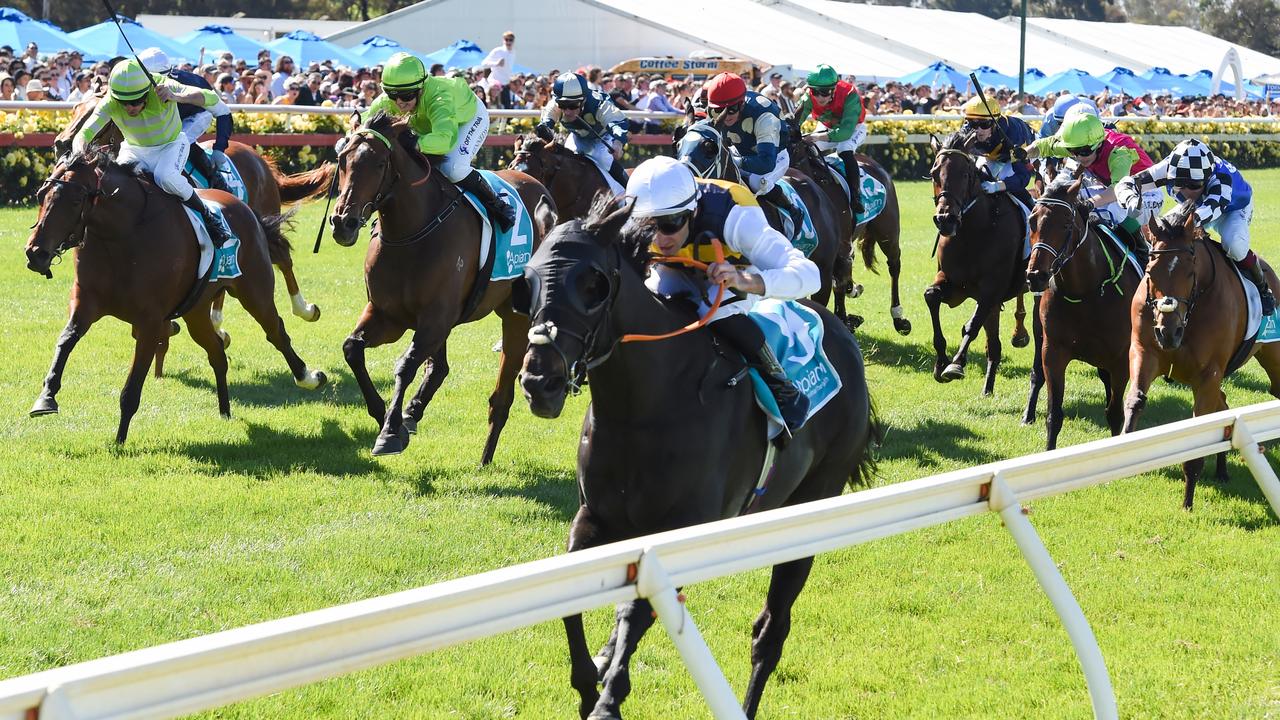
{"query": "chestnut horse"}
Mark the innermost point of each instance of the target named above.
(572, 179)
(1186, 274)
(422, 273)
(671, 439)
(136, 259)
(979, 257)
(1088, 286)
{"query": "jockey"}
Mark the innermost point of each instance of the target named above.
(999, 147)
(1108, 155)
(752, 123)
(195, 120)
(145, 109)
(1054, 116)
(837, 107)
(1222, 198)
(759, 261)
(449, 122)
(597, 128)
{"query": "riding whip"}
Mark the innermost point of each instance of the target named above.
(977, 87)
(111, 12)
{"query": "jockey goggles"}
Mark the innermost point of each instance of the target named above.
(980, 124)
(671, 224)
(823, 91)
(569, 104)
(411, 94)
(1189, 184)
(1084, 150)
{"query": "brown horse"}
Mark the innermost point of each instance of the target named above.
(572, 179)
(1185, 274)
(1088, 287)
(136, 260)
(422, 273)
(979, 257)
(884, 231)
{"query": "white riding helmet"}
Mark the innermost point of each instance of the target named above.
(662, 186)
(154, 60)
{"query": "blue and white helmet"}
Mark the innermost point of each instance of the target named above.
(1073, 103)
(1192, 161)
(570, 86)
(154, 60)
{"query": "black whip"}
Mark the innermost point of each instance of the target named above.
(325, 218)
(111, 12)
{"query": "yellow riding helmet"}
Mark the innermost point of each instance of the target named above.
(1082, 130)
(128, 81)
(979, 108)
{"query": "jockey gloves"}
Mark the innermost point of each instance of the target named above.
(726, 90)
(662, 186)
(129, 82)
(403, 72)
(1191, 162)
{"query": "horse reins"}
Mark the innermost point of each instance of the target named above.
(715, 304)
(87, 203)
(1061, 259)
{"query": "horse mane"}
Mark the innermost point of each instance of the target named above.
(1061, 183)
(959, 140)
(634, 238)
(1172, 222)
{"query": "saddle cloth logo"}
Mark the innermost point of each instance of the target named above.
(805, 238)
(794, 333)
(512, 248)
(874, 195)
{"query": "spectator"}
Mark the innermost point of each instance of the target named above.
(35, 91)
(368, 93)
(502, 59)
(437, 70)
(259, 92)
(510, 95)
(284, 70)
(593, 78)
(656, 100)
(6, 87)
(621, 92)
(226, 89)
(30, 57)
(291, 89)
(242, 88)
(210, 74)
(309, 92)
(82, 88)
(493, 95)
(924, 101)
(62, 81)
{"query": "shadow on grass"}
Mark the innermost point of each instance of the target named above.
(271, 451)
(273, 389)
(936, 443)
(553, 487)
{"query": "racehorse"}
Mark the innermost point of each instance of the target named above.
(671, 438)
(979, 256)
(1187, 275)
(883, 231)
(422, 273)
(702, 148)
(267, 189)
(572, 179)
(136, 259)
(1088, 286)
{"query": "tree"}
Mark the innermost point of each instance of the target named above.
(1185, 13)
(1097, 10)
(1252, 23)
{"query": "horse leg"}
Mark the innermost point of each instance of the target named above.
(201, 328)
(772, 627)
(372, 330)
(144, 350)
(933, 299)
(1142, 370)
(634, 620)
(992, 328)
(515, 341)
(1020, 337)
(1037, 367)
(257, 299)
(77, 326)
(969, 333)
(584, 533)
(1115, 401)
(437, 369)
(394, 437)
(163, 348)
(893, 259)
(1056, 360)
(1208, 399)
(309, 312)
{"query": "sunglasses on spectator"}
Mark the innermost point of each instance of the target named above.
(1188, 184)
(403, 95)
(1083, 151)
(981, 124)
(671, 224)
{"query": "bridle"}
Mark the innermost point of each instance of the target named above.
(1076, 231)
(1164, 308)
(549, 169)
(87, 201)
(944, 194)
(719, 165)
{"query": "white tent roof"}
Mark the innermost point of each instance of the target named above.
(263, 30)
(1180, 49)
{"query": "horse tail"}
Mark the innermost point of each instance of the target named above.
(868, 465)
(275, 227)
(304, 185)
(867, 246)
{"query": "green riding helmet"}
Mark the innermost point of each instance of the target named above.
(824, 77)
(1082, 130)
(403, 72)
(128, 81)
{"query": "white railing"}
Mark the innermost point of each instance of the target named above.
(215, 670)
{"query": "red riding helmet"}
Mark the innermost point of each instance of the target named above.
(725, 90)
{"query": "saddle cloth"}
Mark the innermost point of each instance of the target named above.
(874, 195)
(1263, 329)
(1129, 260)
(804, 239)
(794, 333)
(229, 174)
(514, 247)
(228, 256)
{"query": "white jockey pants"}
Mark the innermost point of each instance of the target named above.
(591, 148)
(675, 282)
(1233, 229)
(456, 164)
(195, 125)
(164, 162)
(850, 145)
(761, 184)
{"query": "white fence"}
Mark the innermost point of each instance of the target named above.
(215, 670)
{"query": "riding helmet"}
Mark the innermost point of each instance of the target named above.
(128, 81)
(403, 72)
(725, 90)
(981, 108)
(1191, 160)
(1082, 130)
(570, 86)
(662, 186)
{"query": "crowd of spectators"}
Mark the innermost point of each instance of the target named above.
(66, 76)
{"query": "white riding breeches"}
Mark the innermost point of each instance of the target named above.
(592, 148)
(456, 164)
(1233, 231)
(761, 184)
(850, 145)
(675, 282)
(164, 162)
(196, 125)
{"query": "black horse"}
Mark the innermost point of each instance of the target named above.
(671, 438)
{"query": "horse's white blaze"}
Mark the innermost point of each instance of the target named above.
(1167, 305)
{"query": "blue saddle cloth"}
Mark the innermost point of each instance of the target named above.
(874, 194)
(512, 248)
(794, 333)
(229, 174)
(804, 238)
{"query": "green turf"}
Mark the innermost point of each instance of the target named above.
(202, 524)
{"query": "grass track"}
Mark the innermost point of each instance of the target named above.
(201, 524)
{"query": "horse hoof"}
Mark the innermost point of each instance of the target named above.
(853, 322)
(226, 338)
(409, 424)
(174, 328)
(954, 371)
(312, 380)
(902, 325)
(391, 444)
(854, 291)
(1020, 339)
(44, 406)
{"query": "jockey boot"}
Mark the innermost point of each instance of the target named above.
(202, 161)
(218, 232)
(502, 214)
(618, 173)
(743, 335)
(853, 174)
(783, 203)
(1253, 269)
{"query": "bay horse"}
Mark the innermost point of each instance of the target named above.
(1087, 287)
(267, 188)
(671, 438)
(883, 231)
(1186, 274)
(980, 244)
(572, 179)
(422, 273)
(136, 259)
(702, 148)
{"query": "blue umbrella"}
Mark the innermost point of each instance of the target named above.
(1204, 79)
(938, 74)
(104, 41)
(1123, 80)
(989, 77)
(1076, 82)
(216, 38)
(17, 29)
(378, 49)
(306, 48)
(1161, 81)
(461, 54)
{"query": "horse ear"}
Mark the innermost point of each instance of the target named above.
(1189, 224)
(519, 143)
(545, 214)
(934, 143)
(1152, 230)
(607, 229)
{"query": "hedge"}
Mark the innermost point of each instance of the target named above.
(23, 169)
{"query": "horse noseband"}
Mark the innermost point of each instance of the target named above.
(1167, 304)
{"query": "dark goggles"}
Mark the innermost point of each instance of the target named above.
(1083, 151)
(569, 104)
(823, 91)
(980, 124)
(410, 94)
(671, 224)
(733, 109)
(1188, 184)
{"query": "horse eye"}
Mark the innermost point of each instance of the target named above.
(593, 289)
